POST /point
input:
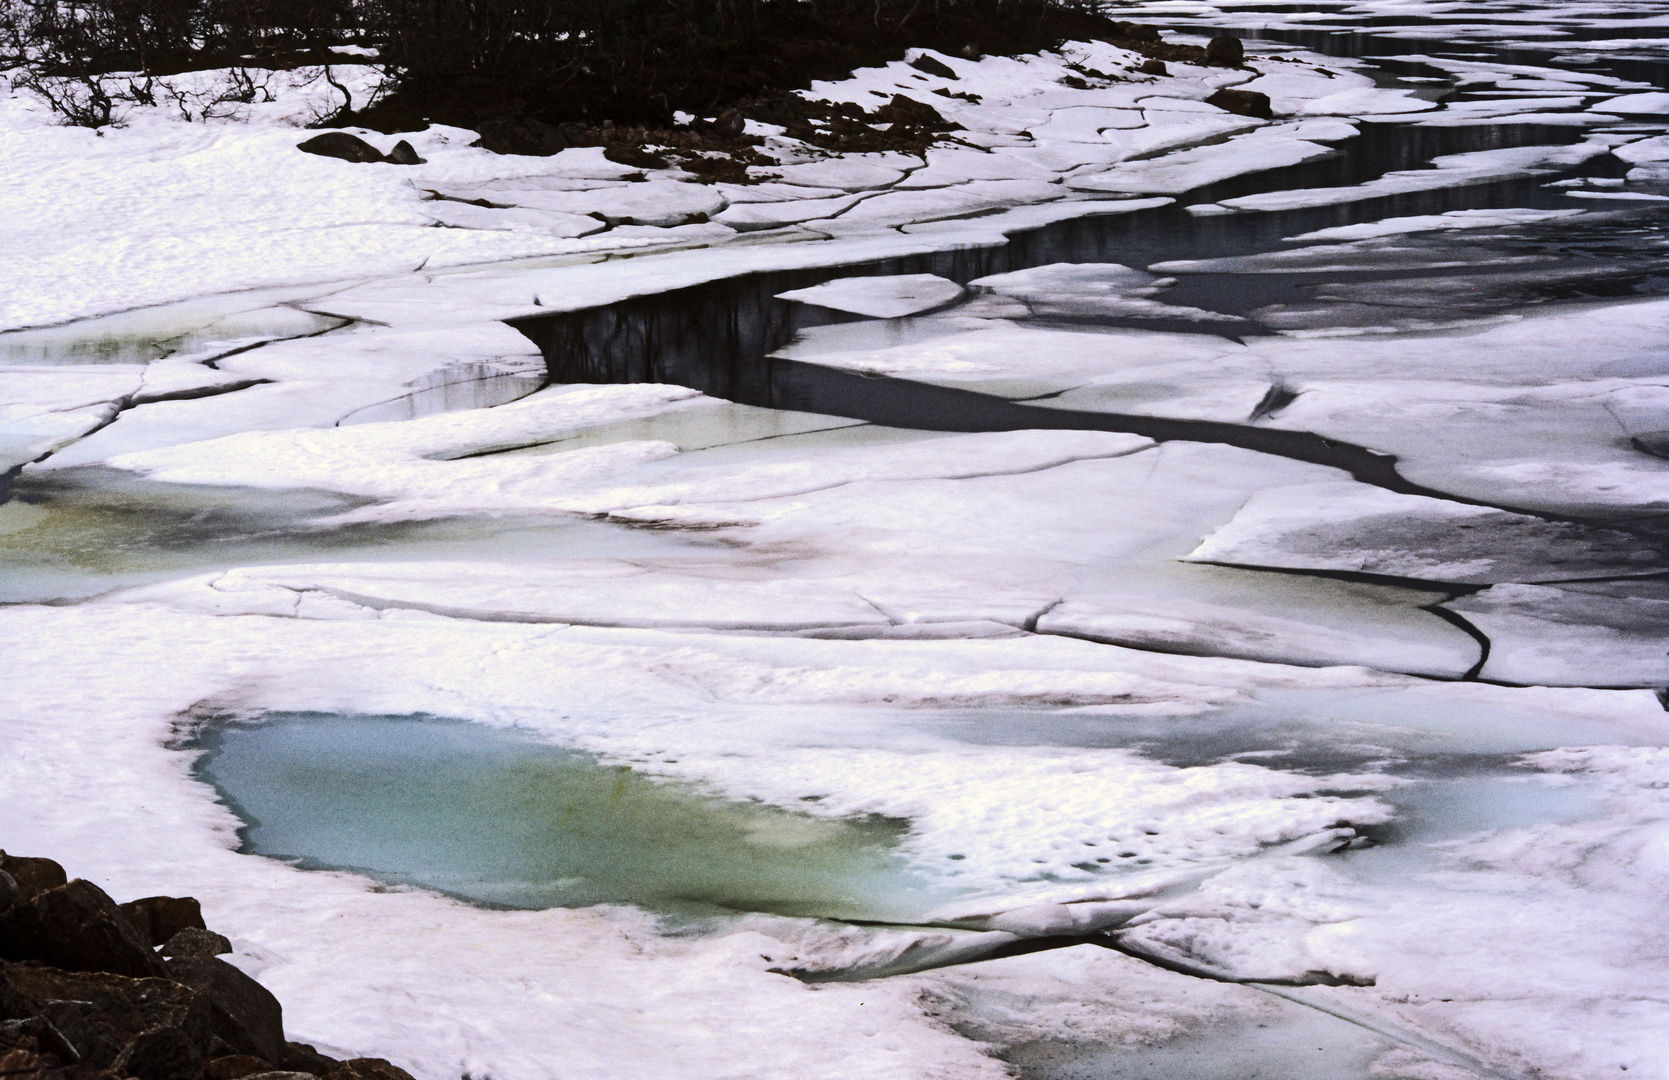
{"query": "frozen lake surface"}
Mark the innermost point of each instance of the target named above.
(1141, 591)
(504, 820)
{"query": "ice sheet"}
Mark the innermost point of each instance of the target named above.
(840, 619)
(1354, 528)
(880, 297)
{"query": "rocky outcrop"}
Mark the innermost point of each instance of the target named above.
(76, 927)
(93, 990)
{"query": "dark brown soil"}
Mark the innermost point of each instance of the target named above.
(754, 79)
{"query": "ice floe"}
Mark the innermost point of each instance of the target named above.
(1359, 529)
(880, 297)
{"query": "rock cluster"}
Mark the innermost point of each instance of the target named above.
(720, 149)
(1222, 51)
(95, 990)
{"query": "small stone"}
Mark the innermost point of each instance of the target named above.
(929, 66)
(404, 154)
(1142, 32)
(731, 122)
(158, 918)
(339, 144)
(236, 1067)
(77, 927)
(1225, 51)
(1153, 67)
(1242, 103)
(196, 941)
(970, 51)
(160, 1054)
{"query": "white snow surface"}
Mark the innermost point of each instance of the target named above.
(989, 637)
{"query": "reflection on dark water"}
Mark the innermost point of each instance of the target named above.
(719, 337)
(1419, 35)
(715, 337)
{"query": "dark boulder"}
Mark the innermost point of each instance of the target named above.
(1225, 51)
(929, 66)
(117, 1007)
(14, 1003)
(245, 1015)
(39, 1037)
(1242, 103)
(32, 875)
(404, 154)
(1153, 67)
(235, 1067)
(195, 941)
(158, 918)
(368, 1068)
(731, 123)
(74, 1020)
(78, 928)
(1141, 32)
(301, 1057)
(164, 1053)
(912, 113)
(520, 135)
(634, 156)
(21, 1064)
(339, 144)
